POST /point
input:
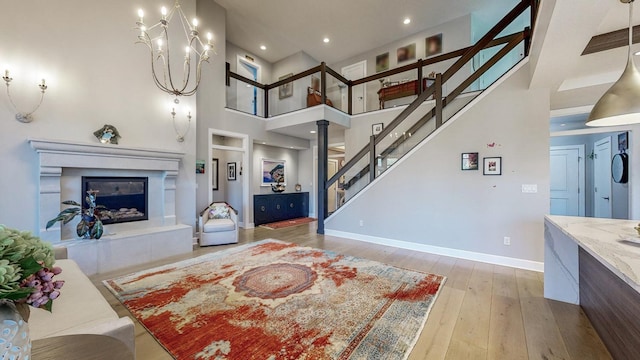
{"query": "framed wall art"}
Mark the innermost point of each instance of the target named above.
(199, 166)
(377, 128)
(286, 90)
(214, 174)
(623, 141)
(382, 62)
(492, 166)
(470, 161)
(406, 53)
(433, 45)
(273, 172)
(231, 172)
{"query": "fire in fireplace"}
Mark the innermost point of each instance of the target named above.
(126, 197)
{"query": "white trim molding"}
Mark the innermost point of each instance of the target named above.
(437, 250)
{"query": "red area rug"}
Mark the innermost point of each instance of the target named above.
(275, 300)
(288, 223)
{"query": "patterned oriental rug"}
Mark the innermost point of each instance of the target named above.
(275, 300)
(288, 223)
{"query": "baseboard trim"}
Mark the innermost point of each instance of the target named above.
(437, 250)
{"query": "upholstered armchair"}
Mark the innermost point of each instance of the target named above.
(218, 225)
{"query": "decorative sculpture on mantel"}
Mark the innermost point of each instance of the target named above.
(108, 134)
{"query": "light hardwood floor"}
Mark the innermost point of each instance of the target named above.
(483, 312)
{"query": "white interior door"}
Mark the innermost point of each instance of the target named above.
(355, 72)
(249, 98)
(332, 193)
(567, 180)
(602, 178)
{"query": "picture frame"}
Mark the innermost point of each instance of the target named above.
(470, 161)
(406, 53)
(433, 45)
(286, 90)
(200, 166)
(382, 62)
(623, 142)
(231, 172)
(492, 166)
(273, 172)
(377, 128)
(214, 174)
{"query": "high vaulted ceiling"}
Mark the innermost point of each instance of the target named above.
(355, 26)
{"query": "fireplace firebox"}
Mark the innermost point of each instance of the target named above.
(126, 197)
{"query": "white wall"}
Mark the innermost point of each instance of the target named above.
(440, 205)
(211, 95)
(293, 64)
(96, 75)
(456, 34)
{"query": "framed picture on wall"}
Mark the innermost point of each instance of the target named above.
(273, 172)
(623, 141)
(492, 166)
(433, 45)
(406, 53)
(377, 128)
(470, 161)
(382, 62)
(231, 172)
(199, 166)
(214, 174)
(286, 90)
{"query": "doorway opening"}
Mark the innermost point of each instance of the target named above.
(248, 97)
(581, 181)
(230, 172)
(359, 100)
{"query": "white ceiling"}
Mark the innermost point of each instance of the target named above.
(576, 80)
(355, 26)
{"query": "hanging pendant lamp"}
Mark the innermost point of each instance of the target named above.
(620, 105)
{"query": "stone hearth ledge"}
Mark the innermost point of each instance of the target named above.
(601, 238)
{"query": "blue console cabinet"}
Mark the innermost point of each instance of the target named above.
(270, 208)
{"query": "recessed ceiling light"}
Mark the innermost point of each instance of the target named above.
(406, 21)
(312, 131)
(326, 40)
(262, 47)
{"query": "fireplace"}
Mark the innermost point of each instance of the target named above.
(126, 197)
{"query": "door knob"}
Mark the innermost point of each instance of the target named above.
(606, 198)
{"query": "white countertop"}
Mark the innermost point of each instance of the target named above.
(602, 238)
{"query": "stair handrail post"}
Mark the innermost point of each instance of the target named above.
(266, 102)
(350, 97)
(228, 74)
(323, 83)
(419, 87)
(438, 96)
(372, 158)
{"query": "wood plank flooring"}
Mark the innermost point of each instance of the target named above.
(483, 311)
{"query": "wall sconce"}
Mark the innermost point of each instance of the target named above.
(180, 136)
(23, 117)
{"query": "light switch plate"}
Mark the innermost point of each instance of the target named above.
(529, 188)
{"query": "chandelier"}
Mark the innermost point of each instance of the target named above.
(156, 38)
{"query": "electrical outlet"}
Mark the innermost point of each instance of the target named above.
(530, 188)
(507, 240)
(361, 222)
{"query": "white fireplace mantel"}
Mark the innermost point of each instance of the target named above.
(56, 155)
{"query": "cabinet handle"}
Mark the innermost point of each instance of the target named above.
(262, 208)
(291, 205)
(278, 206)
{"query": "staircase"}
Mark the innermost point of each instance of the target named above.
(431, 109)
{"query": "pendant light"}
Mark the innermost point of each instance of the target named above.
(620, 105)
